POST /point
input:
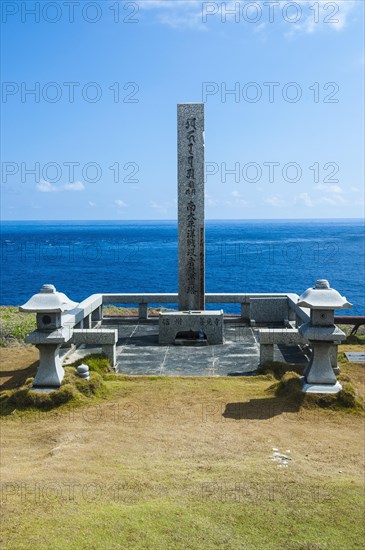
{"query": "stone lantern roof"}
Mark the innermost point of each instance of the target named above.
(322, 296)
(48, 300)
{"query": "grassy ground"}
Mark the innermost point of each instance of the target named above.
(183, 463)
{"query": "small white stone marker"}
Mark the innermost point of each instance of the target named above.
(83, 372)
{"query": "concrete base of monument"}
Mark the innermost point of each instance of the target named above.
(320, 388)
(191, 327)
(139, 352)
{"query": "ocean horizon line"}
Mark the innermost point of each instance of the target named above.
(175, 220)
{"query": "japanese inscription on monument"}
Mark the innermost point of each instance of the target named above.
(191, 206)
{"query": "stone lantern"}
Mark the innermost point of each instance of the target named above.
(49, 305)
(321, 332)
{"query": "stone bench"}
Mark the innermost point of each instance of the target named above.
(106, 338)
(268, 337)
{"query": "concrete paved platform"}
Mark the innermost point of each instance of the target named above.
(139, 353)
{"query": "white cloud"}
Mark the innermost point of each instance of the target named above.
(345, 7)
(91, 203)
(275, 201)
(177, 14)
(302, 16)
(335, 200)
(305, 199)
(188, 21)
(46, 187)
(120, 204)
(318, 16)
(210, 200)
(76, 186)
(238, 200)
(329, 188)
(260, 27)
(327, 200)
(167, 207)
(169, 4)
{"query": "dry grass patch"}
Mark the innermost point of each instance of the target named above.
(184, 463)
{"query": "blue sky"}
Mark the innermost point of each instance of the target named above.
(282, 84)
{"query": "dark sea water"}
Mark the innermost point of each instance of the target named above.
(83, 258)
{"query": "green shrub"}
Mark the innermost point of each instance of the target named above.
(89, 387)
(31, 398)
(15, 325)
(73, 388)
(343, 378)
(278, 369)
(63, 395)
(347, 396)
(289, 385)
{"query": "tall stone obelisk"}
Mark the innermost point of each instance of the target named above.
(191, 232)
(192, 324)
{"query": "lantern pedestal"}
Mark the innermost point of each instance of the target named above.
(319, 376)
(319, 370)
(50, 372)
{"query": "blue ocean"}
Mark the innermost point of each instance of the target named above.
(86, 257)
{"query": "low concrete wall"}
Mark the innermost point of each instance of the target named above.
(80, 324)
(269, 310)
